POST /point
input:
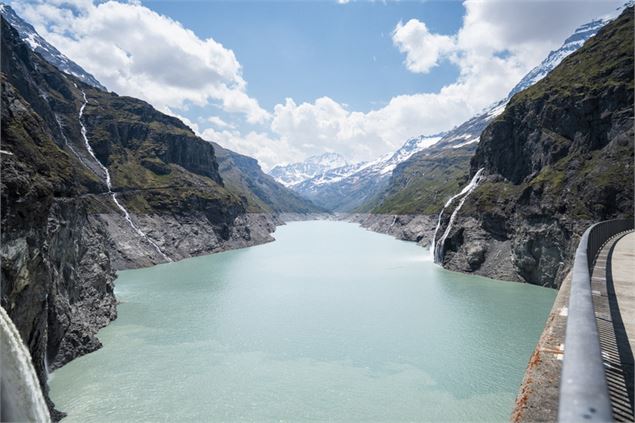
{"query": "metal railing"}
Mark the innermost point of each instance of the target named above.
(584, 394)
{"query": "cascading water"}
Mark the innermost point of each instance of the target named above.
(20, 391)
(394, 220)
(447, 204)
(109, 185)
(88, 147)
(465, 192)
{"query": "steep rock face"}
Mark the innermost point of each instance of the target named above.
(243, 176)
(63, 234)
(56, 274)
(421, 185)
(559, 158)
(125, 130)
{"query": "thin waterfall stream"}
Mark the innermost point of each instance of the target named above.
(109, 185)
(465, 192)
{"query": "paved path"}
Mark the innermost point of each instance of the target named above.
(614, 306)
(623, 269)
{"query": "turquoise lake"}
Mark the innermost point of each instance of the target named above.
(328, 323)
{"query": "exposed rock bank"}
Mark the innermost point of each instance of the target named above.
(415, 228)
(181, 237)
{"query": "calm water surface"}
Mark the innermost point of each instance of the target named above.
(330, 322)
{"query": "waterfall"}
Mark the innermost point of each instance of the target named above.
(89, 148)
(465, 192)
(126, 215)
(394, 219)
(447, 204)
(136, 228)
(21, 394)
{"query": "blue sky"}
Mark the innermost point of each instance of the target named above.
(283, 80)
(319, 49)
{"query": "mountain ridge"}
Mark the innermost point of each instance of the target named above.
(559, 158)
(418, 185)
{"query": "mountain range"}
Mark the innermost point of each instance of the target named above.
(93, 182)
(391, 184)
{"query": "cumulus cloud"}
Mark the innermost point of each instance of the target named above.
(269, 150)
(498, 43)
(422, 48)
(135, 51)
(219, 123)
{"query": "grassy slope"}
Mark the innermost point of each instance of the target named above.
(422, 184)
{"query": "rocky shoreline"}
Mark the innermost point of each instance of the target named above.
(406, 227)
(182, 237)
(178, 238)
(481, 254)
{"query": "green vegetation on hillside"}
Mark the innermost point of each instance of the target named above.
(424, 183)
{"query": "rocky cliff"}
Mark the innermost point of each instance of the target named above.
(243, 175)
(56, 272)
(559, 158)
(93, 182)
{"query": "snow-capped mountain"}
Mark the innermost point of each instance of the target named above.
(29, 35)
(347, 188)
(571, 44)
(469, 132)
(295, 173)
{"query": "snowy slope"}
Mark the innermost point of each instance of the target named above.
(295, 173)
(29, 35)
(349, 186)
(469, 132)
(571, 44)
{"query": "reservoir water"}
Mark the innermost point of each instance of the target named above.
(329, 322)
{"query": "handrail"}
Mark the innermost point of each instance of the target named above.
(584, 394)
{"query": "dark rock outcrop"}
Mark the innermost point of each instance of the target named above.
(559, 159)
(56, 273)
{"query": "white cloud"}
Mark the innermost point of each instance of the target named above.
(133, 51)
(422, 48)
(138, 52)
(267, 149)
(498, 43)
(219, 123)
